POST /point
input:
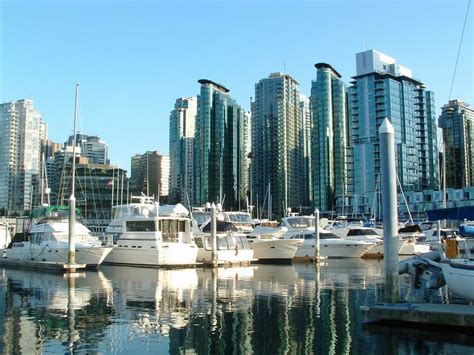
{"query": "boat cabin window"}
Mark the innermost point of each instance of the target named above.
(242, 242)
(221, 243)
(230, 242)
(170, 228)
(199, 242)
(181, 226)
(37, 238)
(328, 236)
(353, 232)
(300, 222)
(141, 226)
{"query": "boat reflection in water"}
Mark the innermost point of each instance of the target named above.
(257, 309)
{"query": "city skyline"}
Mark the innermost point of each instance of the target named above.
(131, 65)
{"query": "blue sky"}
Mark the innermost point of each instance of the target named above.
(134, 58)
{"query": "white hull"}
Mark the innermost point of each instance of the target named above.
(279, 250)
(377, 249)
(411, 248)
(165, 254)
(226, 256)
(337, 249)
(91, 256)
(459, 276)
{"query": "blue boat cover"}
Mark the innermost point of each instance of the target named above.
(466, 230)
(453, 213)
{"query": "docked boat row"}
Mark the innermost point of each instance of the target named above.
(143, 233)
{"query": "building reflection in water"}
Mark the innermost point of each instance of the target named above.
(301, 308)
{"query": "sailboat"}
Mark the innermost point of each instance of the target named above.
(54, 235)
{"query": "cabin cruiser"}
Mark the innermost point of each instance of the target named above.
(268, 247)
(330, 245)
(232, 246)
(47, 239)
(352, 232)
(146, 234)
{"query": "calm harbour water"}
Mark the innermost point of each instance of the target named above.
(262, 309)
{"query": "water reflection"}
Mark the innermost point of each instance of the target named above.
(277, 309)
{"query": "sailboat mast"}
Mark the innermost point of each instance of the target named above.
(72, 199)
(42, 180)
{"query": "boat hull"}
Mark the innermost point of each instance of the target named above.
(90, 256)
(274, 250)
(345, 249)
(166, 254)
(377, 250)
(459, 276)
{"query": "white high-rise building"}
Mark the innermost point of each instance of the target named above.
(182, 126)
(21, 127)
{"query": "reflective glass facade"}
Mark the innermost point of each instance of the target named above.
(329, 138)
(220, 152)
(390, 91)
(182, 129)
(278, 135)
(457, 122)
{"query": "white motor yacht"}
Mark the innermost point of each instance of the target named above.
(232, 246)
(46, 240)
(358, 232)
(330, 245)
(268, 247)
(150, 235)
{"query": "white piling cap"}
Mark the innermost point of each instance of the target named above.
(386, 127)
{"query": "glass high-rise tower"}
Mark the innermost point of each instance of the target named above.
(382, 88)
(219, 151)
(329, 138)
(278, 159)
(21, 130)
(182, 128)
(457, 122)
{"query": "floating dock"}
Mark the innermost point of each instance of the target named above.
(42, 265)
(441, 315)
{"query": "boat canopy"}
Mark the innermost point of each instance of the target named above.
(221, 226)
(453, 213)
(54, 211)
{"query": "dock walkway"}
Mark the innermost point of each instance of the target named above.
(451, 315)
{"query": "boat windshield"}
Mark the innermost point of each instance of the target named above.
(358, 231)
(240, 218)
(201, 217)
(300, 222)
(310, 236)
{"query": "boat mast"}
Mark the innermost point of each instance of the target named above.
(72, 199)
(41, 181)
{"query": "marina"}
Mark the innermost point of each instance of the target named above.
(291, 200)
(298, 308)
